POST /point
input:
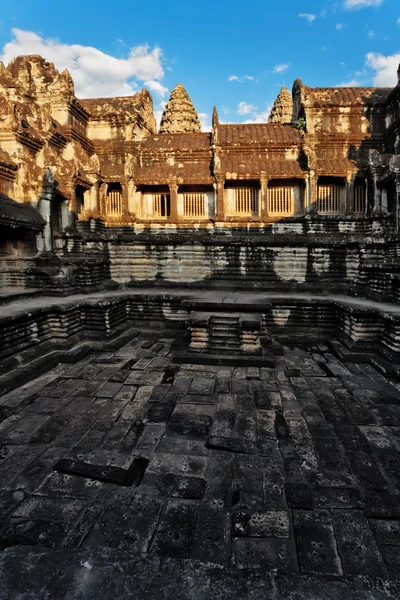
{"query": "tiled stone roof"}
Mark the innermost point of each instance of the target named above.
(18, 214)
(257, 134)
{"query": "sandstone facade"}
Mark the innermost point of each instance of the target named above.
(308, 199)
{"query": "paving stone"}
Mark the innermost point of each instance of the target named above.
(68, 486)
(17, 460)
(382, 505)
(196, 399)
(357, 548)
(337, 498)
(201, 385)
(273, 485)
(249, 483)
(192, 466)
(172, 485)
(391, 558)
(299, 495)
(316, 543)
(108, 390)
(175, 531)
(211, 539)
(22, 430)
(49, 509)
(191, 421)
(273, 523)
(367, 471)
(172, 444)
(148, 440)
(265, 554)
(138, 525)
(48, 431)
(220, 477)
(386, 531)
(38, 532)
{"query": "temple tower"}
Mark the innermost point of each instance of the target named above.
(179, 116)
(281, 112)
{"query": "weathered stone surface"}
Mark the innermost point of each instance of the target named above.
(179, 114)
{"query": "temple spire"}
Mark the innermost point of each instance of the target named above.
(179, 116)
(215, 117)
(281, 112)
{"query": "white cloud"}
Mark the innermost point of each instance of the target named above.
(371, 33)
(280, 68)
(205, 121)
(158, 111)
(156, 86)
(261, 117)
(95, 73)
(361, 3)
(241, 79)
(244, 108)
(308, 16)
(385, 68)
(339, 26)
(352, 83)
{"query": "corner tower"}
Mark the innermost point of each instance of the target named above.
(281, 112)
(179, 116)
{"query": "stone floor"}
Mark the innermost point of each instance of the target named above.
(292, 470)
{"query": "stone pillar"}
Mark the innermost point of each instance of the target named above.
(45, 242)
(377, 196)
(264, 196)
(311, 193)
(221, 200)
(397, 203)
(349, 203)
(173, 194)
(125, 206)
(102, 199)
(72, 203)
(132, 199)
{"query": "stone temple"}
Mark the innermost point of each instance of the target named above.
(199, 345)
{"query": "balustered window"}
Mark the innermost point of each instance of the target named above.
(246, 201)
(360, 197)
(194, 204)
(281, 201)
(114, 200)
(161, 205)
(328, 198)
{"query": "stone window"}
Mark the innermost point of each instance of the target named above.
(194, 204)
(161, 205)
(114, 200)
(281, 201)
(360, 198)
(246, 201)
(328, 198)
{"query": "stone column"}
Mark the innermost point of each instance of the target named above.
(397, 202)
(102, 203)
(311, 193)
(125, 207)
(72, 203)
(132, 199)
(173, 194)
(349, 206)
(221, 200)
(377, 196)
(264, 196)
(45, 242)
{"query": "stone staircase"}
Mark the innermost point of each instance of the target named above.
(224, 334)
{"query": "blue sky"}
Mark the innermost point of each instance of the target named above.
(225, 53)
